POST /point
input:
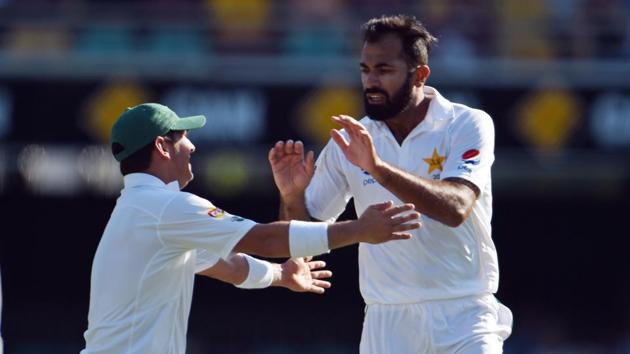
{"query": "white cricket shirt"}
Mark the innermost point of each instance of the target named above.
(439, 262)
(144, 267)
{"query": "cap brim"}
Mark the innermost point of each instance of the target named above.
(189, 123)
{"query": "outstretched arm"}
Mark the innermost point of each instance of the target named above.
(294, 274)
(449, 201)
(379, 223)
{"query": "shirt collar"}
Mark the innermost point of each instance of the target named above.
(439, 110)
(145, 179)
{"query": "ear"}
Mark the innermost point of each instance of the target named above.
(162, 148)
(421, 75)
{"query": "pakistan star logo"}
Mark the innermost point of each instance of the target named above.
(435, 162)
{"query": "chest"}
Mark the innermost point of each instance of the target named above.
(423, 155)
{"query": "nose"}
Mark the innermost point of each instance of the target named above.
(371, 80)
(192, 148)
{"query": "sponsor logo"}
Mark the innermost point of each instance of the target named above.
(470, 154)
(216, 212)
(435, 162)
(236, 218)
(465, 168)
(369, 181)
(436, 176)
(471, 157)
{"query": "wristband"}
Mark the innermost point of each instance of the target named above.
(308, 238)
(260, 274)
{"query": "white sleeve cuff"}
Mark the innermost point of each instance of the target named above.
(308, 238)
(260, 274)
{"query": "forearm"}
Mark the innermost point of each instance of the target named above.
(293, 208)
(266, 240)
(272, 240)
(447, 202)
(233, 269)
(343, 233)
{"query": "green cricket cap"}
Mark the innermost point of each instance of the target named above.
(140, 125)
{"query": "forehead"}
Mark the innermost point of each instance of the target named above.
(387, 50)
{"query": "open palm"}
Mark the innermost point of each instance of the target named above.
(302, 276)
(291, 171)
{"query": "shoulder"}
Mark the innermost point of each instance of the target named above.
(184, 203)
(465, 117)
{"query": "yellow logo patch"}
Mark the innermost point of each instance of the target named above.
(216, 212)
(435, 162)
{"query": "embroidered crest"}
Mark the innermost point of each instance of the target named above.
(435, 161)
(216, 212)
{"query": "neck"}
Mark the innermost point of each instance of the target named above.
(403, 123)
(161, 173)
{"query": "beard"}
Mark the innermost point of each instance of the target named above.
(399, 102)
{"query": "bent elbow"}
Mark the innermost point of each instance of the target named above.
(456, 218)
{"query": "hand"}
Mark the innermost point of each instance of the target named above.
(291, 171)
(301, 275)
(360, 149)
(384, 222)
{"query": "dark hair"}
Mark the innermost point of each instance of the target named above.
(416, 40)
(140, 160)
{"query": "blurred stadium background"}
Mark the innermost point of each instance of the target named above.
(554, 75)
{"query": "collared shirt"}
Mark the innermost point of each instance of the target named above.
(156, 239)
(439, 262)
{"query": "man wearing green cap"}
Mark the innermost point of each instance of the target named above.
(158, 238)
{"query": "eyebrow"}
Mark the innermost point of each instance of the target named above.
(378, 65)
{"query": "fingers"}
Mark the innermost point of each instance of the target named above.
(289, 147)
(322, 274)
(318, 287)
(399, 209)
(400, 236)
(404, 218)
(276, 152)
(408, 226)
(383, 206)
(339, 139)
(349, 123)
(316, 265)
(321, 284)
(282, 148)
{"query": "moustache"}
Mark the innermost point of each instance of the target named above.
(375, 90)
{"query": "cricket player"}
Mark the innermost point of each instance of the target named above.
(159, 237)
(433, 293)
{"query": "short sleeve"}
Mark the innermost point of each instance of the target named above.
(328, 193)
(471, 149)
(190, 222)
(205, 259)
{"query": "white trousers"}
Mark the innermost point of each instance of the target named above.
(468, 325)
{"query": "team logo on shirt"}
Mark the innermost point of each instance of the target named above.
(436, 162)
(216, 212)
